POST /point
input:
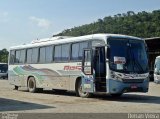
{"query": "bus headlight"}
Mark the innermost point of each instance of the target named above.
(115, 77)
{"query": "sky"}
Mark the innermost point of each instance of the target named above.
(22, 21)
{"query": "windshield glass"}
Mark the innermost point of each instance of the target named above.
(127, 55)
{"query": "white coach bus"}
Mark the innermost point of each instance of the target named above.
(109, 63)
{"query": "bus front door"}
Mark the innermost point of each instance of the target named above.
(87, 71)
(94, 70)
(99, 69)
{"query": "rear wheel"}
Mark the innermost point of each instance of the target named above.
(32, 85)
(79, 91)
(15, 87)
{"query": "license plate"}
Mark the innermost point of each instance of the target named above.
(133, 86)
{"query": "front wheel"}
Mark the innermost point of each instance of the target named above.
(79, 91)
(15, 88)
(32, 85)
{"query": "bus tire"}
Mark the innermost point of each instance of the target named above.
(79, 92)
(15, 88)
(40, 90)
(32, 85)
(116, 95)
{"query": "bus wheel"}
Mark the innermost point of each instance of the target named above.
(79, 91)
(15, 88)
(32, 85)
(116, 95)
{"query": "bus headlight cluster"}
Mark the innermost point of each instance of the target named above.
(114, 76)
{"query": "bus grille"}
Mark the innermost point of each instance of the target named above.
(133, 80)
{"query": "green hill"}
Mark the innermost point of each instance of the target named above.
(143, 24)
(4, 55)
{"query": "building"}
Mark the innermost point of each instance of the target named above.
(153, 51)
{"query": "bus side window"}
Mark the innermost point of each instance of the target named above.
(22, 56)
(17, 60)
(82, 46)
(42, 55)
(49, 54)
(65, 52)
(29, 56)
(12, 57)
(35, 54)
(57, 53)
(75, 51)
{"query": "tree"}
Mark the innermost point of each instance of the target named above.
(4, 55)
(143, 24)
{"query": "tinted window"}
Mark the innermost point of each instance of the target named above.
(17, 60)
(35, 55)
(22, 56)
(75, 51)
(57, 53)
(29, 55)
(12, 57)
(49, 54)
(65, 52)
(81, 47)
(42, 55)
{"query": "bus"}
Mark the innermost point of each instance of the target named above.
(4, 70)
(157, 70)
(97, 63)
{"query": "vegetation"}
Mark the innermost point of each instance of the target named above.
(4, 55)
(142, 24)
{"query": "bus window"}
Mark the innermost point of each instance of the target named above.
(12, 57)
(65, 52)
(57, 53)
(75, 51)
(29, 55)
(81, 47)
(35, 53)
(49, 54)
(42, 54)
(17, 60)
(22, 56)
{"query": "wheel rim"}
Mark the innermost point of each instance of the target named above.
(31, 84)
(81, 93)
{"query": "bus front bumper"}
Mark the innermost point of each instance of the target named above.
(115, 86)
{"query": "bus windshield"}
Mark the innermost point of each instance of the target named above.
(127, 55)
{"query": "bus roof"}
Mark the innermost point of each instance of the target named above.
(68, 39)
